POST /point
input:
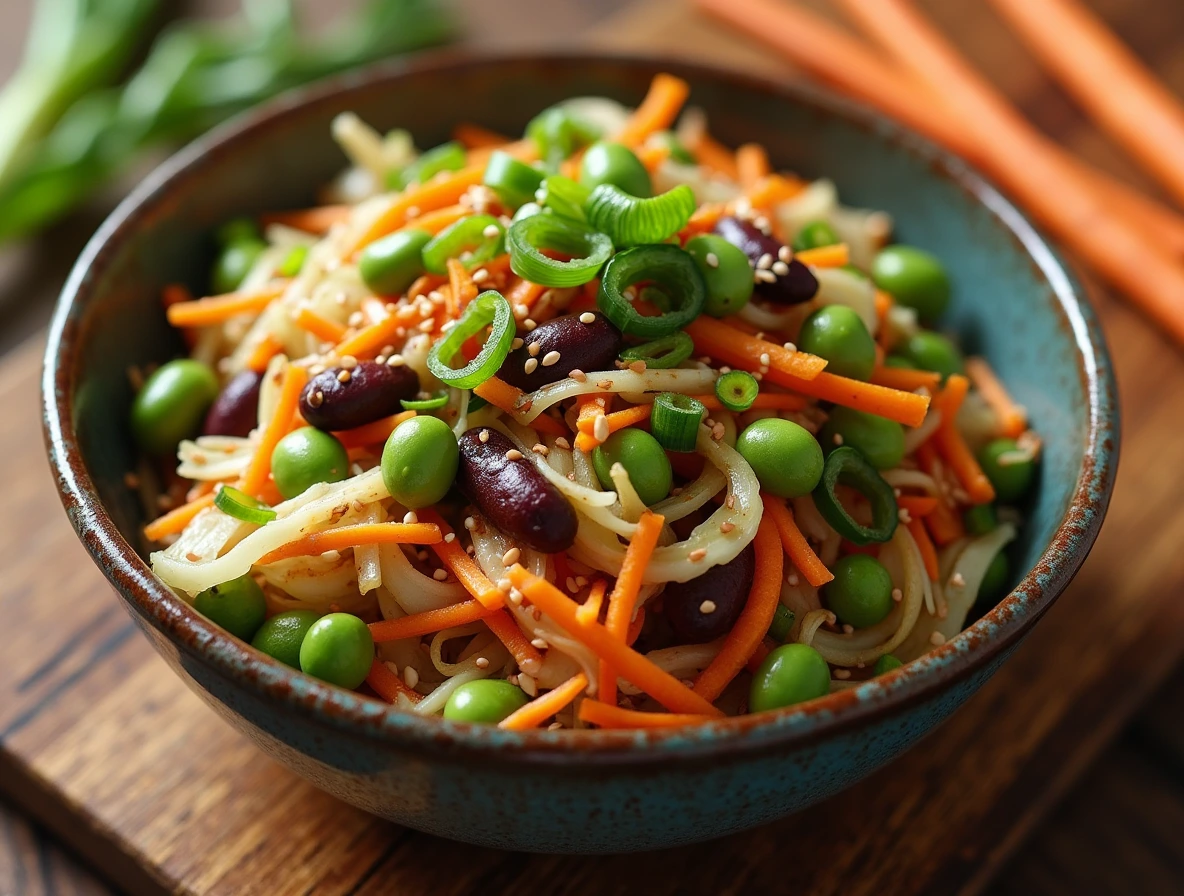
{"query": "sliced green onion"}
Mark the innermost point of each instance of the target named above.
(678, 151)
(846, 466)
(782, 624)
(632, 221)
(425, 404)
(557, 134)
(563, 196)
(667, 267)
(513, 181)
(661, 354)
(527, 237)
(476, 402)
(737, 390)
(474, 240)
(293, 262)
(449, 156)
(490, 309)
(675, 420)
(242, 506)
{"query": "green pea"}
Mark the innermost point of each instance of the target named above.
(980, 519)
(1010, 470)
(995, 579)
(815, 235)
(172, 404)
(236, 230)
(678, 152)
(419, 461)
(914, 278)
(238, 606)
(784, 456)
(281, 635)
(838, 334)
(932, 351)
(234, 263)
(861, 591)
(339, 649)
(877, 438)
(886, 664)
(389, 265)
(725, 269)
(487, 700)
(306, 457)
(791, 673)
(612, 163)
(899, 361)
(644, 460)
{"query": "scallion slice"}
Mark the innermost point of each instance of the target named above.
(474, 240)
(490, 309)
(666, 267)
(529, 236)
(737, 390)
(564, 197)
(513, 181)
(632, 221)
(449, 156)
(425, 404)
(293, 262)
(782, 624)
(675, 421)
(557, 134)
(242, 506)
(661, 354)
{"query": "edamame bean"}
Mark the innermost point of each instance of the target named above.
(932, 351)
(281, 635)
(815, 235)
(878, 439)
(339, 649)
(238, 606)
(419, 461)
(791, 673)
(644, 460)
(172, 405)
(1010, 469)
(861, 592)
(613, 163)
(389, 265)
(726, 271)
(838, 334)
(487, 700)
(785, 457)
(914, 278)
(306, 457)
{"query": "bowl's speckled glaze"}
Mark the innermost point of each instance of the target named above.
(1014, 302)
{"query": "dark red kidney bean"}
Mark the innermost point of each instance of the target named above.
(235, 412)
(581, 346)
(333, 401)
(512, 494)
(792, 288)
(725, 586)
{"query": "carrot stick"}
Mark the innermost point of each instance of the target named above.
(324, 329)
(429, 621)
(605, 716)
(523, 292)
(542, 708)
(525, 654)
(652, 157)
(630, 664)
(265, 349)
(1021, 161)
(474, 136)
(500, 394)
(368, 341)
(592, 409)
(953, 447)
(721, 340)
(752, 164)
(794, 542)
(944, 524)
(277, 427)
(773, 189)
(387, 685)
(218, 309)
(925, 545)
(618, 419)
(917, 505)
(713, 155)
(704, 219)
(750, 629)
(464, 290)
(372, 433)
(905, 379)
(589, 611)
(624, 595)
(467, 572)
(657, 111)
(353, 536)
(825, 256)
(1013, 419)
(177, 519)
(310, 220)
(773, 401)
(435, 221)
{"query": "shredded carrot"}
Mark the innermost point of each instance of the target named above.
(368, 341)
(618, 419)
(652, 157)
(542, 708)
(943, 523)
(794, 542)
(310, 220)
(372, 433)
(175, 294)
(1013, 419)
(177, 519)
(429, 621)
(952, 446)
(770, 401)
(435, 221)
(277, 427)
(750, 629)
(917, 505)
(525, 654)
(463, 289)
(589, 611)
(630, 664)
(353, 536)
(604, 716)
(704, 219)
(424, 284)
(713, 155)
(884, 303)
(906, 379)
(389, 686)
(925, 545)
(200, 488)
(523, 292)
(623, 599)
(500, 394)
(722, 341)
(591, 407)
(657, 111)
(825, 256)
(908, 408)
(773, 189)
(752, 164)
(467, 572)
(473, 136)
(219, 309)
(324, 329)
(548, 424)
(265, 349)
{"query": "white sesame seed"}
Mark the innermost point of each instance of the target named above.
(780, 268)
(937, 639)
(450, 538)
(481, 662)
(572, 585)
(717, 431)
(697, 554)
(762, 276)
(764, 359)
(538, 644)
(764, 262)
(513, 454)
(344, 376)
(510, 557)
(712, 260)
(587, 318)
(470, 523)
(838, 438)
(726, 527)
(440, 575)
(600, 429)
(762, 224)
(904, 516)
(426, 326)
(521, 310)
(516, 344)
(578, 375)
(638, 366)
(491, 232)
(527, 683)
(555, 726)
(792, 578)
(531, 365)
(534, 348)
(785, 254)
(410, 517)
(550, 359)
(411, 676)
(842, 674)
(529, 324)
(563, 443)
(790, 347)
(848, 629)
(707, 607)
(957, 580)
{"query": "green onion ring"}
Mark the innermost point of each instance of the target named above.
(242, 506)
(661, 354)
(632, 221)
(468, 235)
(490, 309)
(425, 404)
(564, 197)
(513, 181)
(737, 390)
(675, 421)
(528, 236)
(846, 466)
(666, 266)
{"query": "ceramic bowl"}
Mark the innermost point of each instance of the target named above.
(1014, 302)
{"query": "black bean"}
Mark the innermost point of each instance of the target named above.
(235, 412)
(512, 493)
(706, 608)
(792, 288)
(345, 398)
(580, 346)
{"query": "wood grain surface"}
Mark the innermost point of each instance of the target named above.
(104, 747)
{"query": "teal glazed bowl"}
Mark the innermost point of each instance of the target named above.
(1014, 302)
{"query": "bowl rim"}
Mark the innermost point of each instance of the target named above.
(923, 679)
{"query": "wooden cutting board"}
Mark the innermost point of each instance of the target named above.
(100, 742)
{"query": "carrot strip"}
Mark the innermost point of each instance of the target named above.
(657, 111)
(387, 685)
(772, 401)
(548, 424)
(1013, 419)
(198, 489)
(652, 157)
(618, 419)
(523, 292)
(474, 136)
(368, 341)
(750, 629)
(917, 505)
(435, 221)
(589, 611)
(177, 519)
(794, 542)
(773, 189)
(605, 716)
(925, 545)
(500, 394)
(542, 708)
(310, 220)
(906, 379)
(467, 572)
(525, 654)
(218, 309)
(429, 621)
(281, 421)
(353, 536)
(704, 219)
(752, 164)
(324, 329)
(825, 256)
(630, 664)
(713, 155)
(944, 524)
(953, 447)
(265, 349)
(464, 290)
(624, 595)
(721, 340)
(372, 433)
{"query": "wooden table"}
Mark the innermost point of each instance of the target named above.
(1065, 696)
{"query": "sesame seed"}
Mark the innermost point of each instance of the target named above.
(838, 438)
(555, 726)
(483, 435)
(697, 554)
(550, 359)
(344, 376)
(638, 366)
(504, 585)
(316, 369)
(440, 575)
(571, 584)
(764, 262)
(762, 276)
(531, 365)
(521, 310)
(937, 639)
(571, 476)
(587, 318)
(792, 578)
(410, 517)
(527, 684)
(529, 324)
(470, 523)
(707, 607)
(481, 662)
(790, 347)
(903, 515)
(480, 275)
(510, 557)
(600, 429)
(513, 454)
(780, 268)
(450, 538)
(411, 676)
(491, 231)
(538, 643)
(726, 527)
(516, 344)
(762, 224)
(848, 629)
(785, 254)
(717, 431)
(534, 348)
(316, 399)
(540, 449)
(706, 359)
(578, 375)
(764, 359)
(426, 326)
(356, 319)
(604, 384)
(957, 580)
(712, 260)
(192, 557)
(842, 674)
